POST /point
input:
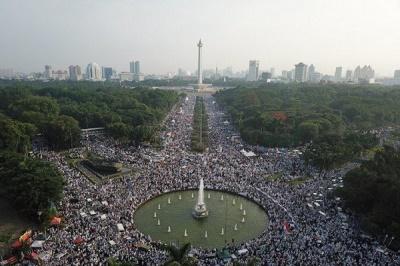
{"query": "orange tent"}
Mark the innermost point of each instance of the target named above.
(78, 240)
(55, 221)
(16, 244)
(32, 256)
(25, 236)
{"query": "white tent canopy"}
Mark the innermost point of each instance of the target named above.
(248, 153)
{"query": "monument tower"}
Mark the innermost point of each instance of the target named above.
(200, 86)
(199, 70)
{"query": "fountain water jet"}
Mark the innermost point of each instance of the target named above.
(235, 227)
(222, 231)
(185, 234)
(159, 206)
(200, 209)
(169, 229)
(243, 220)
(205, 235)
(158, 222)
(155, 215)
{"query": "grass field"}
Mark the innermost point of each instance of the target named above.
(11, 224)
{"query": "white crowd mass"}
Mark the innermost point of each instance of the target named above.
(319, 232)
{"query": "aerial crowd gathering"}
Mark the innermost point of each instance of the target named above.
(306, 223)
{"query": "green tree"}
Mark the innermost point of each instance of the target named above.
(29, 184)
(178, 256)
(63, 132)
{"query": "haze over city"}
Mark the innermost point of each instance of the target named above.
(162, 34)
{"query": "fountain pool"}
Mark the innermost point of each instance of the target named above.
(224, 224)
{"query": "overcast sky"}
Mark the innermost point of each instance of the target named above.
(162, 34)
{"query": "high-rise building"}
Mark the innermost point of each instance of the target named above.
(6, 73)
(349, 75)
(132, 66)
(253, 70)
(107, 73)
(272, 72)
(75, 72)
(48, 72)
(300, 72)
(284, 74)
(310, 73)
(137, 67)
(93, 72)
(316, 77)
(357, 73)
(338, 74)
(60, 75)
(397, 74)
(126, 76)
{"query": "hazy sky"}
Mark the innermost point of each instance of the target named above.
(162, 34)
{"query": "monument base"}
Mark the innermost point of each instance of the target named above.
(201, 87)
(200, 212)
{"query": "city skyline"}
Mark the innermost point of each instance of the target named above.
(162, 34)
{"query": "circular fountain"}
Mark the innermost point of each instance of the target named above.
(207, 222)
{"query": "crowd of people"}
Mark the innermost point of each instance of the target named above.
(306, 223)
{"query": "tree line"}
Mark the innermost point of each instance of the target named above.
(58, 111)
(372, 192)
(199, 136)
(333, 119)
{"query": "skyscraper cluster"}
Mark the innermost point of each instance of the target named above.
(134, 67)
(93, 72)
(75, 72)
(364, 74)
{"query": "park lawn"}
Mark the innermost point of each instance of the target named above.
(11, 224)
(298, 181)
(273, 178)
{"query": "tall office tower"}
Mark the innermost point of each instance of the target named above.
(137, 67)
(284, 74)
(338, 74)
(290, 74)
(357, 73)
(310, 73)
(48, 72)
(300, 72)
(75, 72)
(397, 74)
(132, 66)
(272, 72)
(93, 72)
(253, 70)
(349, 75)
(107, 73)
